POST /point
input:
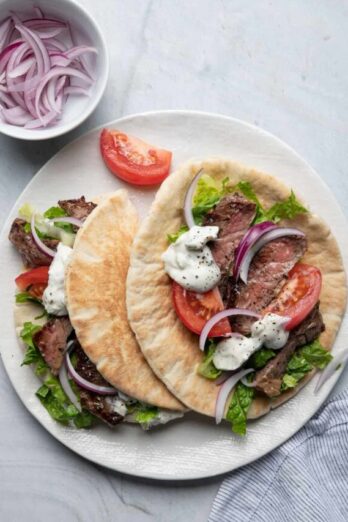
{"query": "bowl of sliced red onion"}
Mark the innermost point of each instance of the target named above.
(53, 67)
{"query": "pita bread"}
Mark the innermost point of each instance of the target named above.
(172, 350)
(96, 288)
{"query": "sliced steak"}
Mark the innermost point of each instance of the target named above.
(77, 208)
(267, 274)
(98, 405)
(51, 341)
(86, 368)
(269, 379)
(233, 215)
(26, 246)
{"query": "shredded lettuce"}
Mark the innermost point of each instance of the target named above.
(144, 413)
(51, 393)
(24, 297)
(56, 212)
(238, 408)
(286, 209)
(310, 356)
(54, 399)
(260, 358)
(207, 368)
(209, 192)
(26, 212)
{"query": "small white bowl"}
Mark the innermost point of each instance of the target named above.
(86, 31)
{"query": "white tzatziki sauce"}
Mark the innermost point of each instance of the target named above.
(118, 405)
(190, 262)
(269, 331)
(54, 298)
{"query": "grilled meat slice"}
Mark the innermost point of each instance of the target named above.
(267, 274)
(51, 341)
(26, 246)
(233, 215)
(269, 379)
(86, 368)
(77, 208)
(98, 405)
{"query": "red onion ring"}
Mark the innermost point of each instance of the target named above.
(64, 381)
(68, 219)
(252, 235)
(218, 317)
(188, 200)
(224, 392)
(271, 235)
(44, 248)
(340, 358)
(100, 390)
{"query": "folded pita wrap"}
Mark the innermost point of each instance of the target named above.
(96, 296)
(169, 347)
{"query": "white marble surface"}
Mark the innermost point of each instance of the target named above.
(280, 65)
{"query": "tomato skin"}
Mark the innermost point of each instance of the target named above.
(133, 160)
(299, 295)
(33, 281)
(194, 310)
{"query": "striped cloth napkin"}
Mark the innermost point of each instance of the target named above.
(305, 480)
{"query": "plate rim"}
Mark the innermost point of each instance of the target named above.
(142, 474)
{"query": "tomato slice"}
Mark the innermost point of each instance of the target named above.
(195, 309)
(33, 281)
(133, 160)
(299, 295)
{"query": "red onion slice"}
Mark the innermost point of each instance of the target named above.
(218, 317)
(16, 115)
(5, 29)
(38, 12)
(68, 219)
(58, 71)
(22, 68)
(331, 368)
(224, 392)
(64, 381)
(252, 235)
(247, 383)
(100, 390)
(44, 248)
(188, 200)
(265, 238)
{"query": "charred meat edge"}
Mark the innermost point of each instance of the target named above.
(98, 405)
(268, 380)
(26, 246)
(233, 215)
(51, 341)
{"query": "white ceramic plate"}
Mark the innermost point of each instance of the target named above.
(193, 447)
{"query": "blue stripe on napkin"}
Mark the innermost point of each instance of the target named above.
(306, 479)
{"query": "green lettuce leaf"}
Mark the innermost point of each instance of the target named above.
(287, 209)
(56, 212)
(54, 399)
(26, 211)
(27, 332)
(238, 408)
(310, 356)
(144, 413)
(260, 358)
(24, 297)
(173, 237)
(208, 194)
(207, 368)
